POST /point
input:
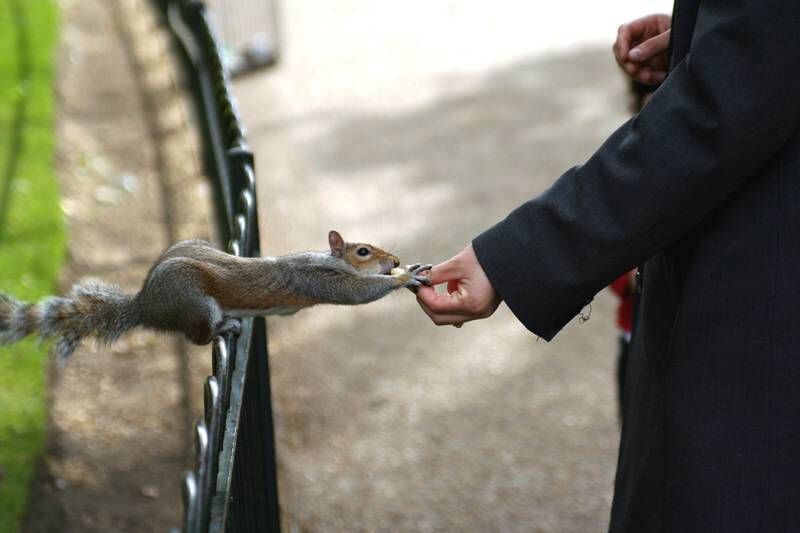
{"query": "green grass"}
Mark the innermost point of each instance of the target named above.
(32, 237)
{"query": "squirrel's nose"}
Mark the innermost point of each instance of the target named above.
(396, 263)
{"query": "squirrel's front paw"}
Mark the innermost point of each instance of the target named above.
(415, 276)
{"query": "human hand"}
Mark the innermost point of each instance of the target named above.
(470, 294)
(641, 48)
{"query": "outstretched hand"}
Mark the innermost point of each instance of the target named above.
(641, 48)
(470, 294)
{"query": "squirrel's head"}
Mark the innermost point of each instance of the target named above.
(364, 257)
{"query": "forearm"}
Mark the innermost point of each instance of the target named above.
(339, 288)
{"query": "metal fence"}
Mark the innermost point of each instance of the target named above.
(233, 486)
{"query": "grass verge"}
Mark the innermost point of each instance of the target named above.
(32, 237)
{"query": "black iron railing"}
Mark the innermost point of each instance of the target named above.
(233, 486)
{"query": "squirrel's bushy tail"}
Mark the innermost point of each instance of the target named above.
(91, 309)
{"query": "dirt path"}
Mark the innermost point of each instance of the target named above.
(119, 433)
(417, 127)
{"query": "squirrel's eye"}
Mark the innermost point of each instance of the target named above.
(363, 252)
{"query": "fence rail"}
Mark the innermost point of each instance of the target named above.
(233, 486)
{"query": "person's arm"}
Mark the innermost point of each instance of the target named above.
(723, 111)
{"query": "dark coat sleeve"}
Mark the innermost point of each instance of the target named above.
(724, 110)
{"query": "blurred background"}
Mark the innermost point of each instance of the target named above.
(413, 126)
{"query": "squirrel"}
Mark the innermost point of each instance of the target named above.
(200, 291)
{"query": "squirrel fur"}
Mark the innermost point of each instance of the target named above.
(199, 291)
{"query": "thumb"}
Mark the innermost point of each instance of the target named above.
(650, 48)
(446, 271)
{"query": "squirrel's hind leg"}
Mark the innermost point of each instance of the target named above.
(206, 322)
(210, 323)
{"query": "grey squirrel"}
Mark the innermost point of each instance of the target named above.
(197, 290)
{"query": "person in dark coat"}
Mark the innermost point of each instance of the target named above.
(702, 188)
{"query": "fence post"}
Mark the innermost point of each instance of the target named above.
(234, 485)
(254, 493)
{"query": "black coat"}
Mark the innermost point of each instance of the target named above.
(704, 186)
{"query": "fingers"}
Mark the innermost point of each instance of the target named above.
(470, 295)
(632, 54)
(449, 272)
(628, 35)
(441, 318)
(456, 273)
(620, 47)
(646, 75)
(441, 304)
(650, 48)
(444, 320)
(650, 71)
(649, 76)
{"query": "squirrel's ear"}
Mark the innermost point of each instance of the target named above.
(336, 243)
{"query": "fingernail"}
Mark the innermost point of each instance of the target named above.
(635, 54)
